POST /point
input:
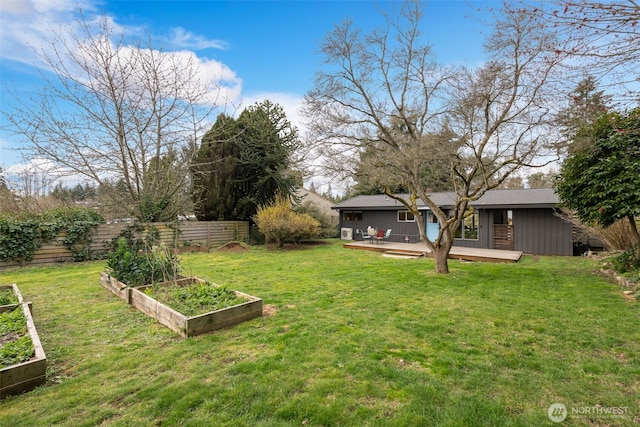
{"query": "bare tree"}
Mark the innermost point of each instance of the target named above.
(601, 39)
(125, 115)
(382, 94)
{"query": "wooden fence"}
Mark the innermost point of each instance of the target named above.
(186, 235)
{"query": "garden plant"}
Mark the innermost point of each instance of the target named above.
(15, 343)
(195, 299)
(142, 262)
(8, 297)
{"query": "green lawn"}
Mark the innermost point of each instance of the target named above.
(356, 339)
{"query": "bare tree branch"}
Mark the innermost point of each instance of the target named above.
(600, 38)
(383, 103)
(122, 114)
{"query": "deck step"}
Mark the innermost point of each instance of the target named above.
(402, 254)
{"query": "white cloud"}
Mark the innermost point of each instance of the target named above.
(17, 7)
(290, 103)
(228, 85)
(23, 7)
(45, 168)
(26, 24)
(183, 39)
(38, 176)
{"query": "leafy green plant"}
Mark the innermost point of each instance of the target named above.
(12, 321)
(7, 297)
(79, 223)
(626, 262)
(19, 238)
(136, 237)
(134, 267)
(15, 344)
(195, 299)
(16, 351)
(22, 235)
(599, 181)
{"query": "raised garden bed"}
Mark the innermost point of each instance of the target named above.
(118, 288)
(24, 376)
(186, 326)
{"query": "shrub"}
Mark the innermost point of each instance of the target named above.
(134, 267)
(280, 224)
(616, 237)
(626, 261)
(19, 238)
(327, 228)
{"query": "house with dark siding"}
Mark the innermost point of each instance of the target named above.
(521, 220)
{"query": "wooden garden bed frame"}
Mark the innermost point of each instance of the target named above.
(186, 326)
(24, 376)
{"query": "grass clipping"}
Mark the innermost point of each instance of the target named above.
(196, 299)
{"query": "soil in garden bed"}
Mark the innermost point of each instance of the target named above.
(7, 338)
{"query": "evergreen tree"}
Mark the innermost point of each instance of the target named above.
(586, 104)
(244, 163)
(599, 182)
(215, 170)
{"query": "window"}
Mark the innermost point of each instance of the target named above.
(471, 226)
(468, 230)
(352, 216)
(406, 216)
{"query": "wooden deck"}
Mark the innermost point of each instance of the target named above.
(420, 249)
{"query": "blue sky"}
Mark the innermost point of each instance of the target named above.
(267, 49)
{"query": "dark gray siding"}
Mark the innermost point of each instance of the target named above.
(541, 232)
(536, 230)
(384, 220)
(485, 233)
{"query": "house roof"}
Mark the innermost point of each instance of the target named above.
(323, 204)
(493, 199)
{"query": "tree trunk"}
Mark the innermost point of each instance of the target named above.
(440, 248)
(636, 235)
(441, 255)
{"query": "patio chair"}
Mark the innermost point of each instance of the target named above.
(386, 235)
(380, 236)
(364, 235)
